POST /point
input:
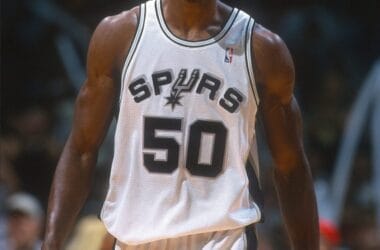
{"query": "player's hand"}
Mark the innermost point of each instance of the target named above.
(108, 242)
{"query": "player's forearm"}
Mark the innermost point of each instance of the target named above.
(298, 206)
(69, 191)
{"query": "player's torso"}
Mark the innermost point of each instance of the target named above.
(185, 127)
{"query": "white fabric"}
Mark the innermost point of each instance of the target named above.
(221, 240)
(144, 206)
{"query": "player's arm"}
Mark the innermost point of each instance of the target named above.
(283, 125)
(93, 112)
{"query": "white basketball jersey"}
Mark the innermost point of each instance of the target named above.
(185, 130)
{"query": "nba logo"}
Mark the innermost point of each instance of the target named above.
(228, 55)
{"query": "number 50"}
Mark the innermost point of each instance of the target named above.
(152, 142)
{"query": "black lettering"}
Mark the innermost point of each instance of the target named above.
(210, 83)
(231, 100)
(151, 141)
(139, 90)
(161, 78)
(194, 148)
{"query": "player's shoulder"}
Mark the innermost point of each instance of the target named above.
(267, 39)
(111, 41)
(117, 29)
(274, 64)
(120, 23)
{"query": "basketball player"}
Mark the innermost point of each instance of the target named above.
(185, 79)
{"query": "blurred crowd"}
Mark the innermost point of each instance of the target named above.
(334, 45)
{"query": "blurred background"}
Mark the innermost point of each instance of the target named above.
(336, 50)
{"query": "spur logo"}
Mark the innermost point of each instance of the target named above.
(179, 86)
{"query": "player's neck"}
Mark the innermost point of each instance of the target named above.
(189, 14)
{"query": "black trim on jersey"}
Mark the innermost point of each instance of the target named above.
(250, 56)
(114, 244)
(210, 40)
(117, 109)
(134, 36)
(250, 234)
(133, 47)
(254, 188)
(139, 38)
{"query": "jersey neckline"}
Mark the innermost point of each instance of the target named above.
(194, 44)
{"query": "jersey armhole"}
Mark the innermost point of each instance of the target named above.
(133, 47)
(249, 57)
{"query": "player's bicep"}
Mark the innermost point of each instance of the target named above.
(97, 97)
(93, 112)
(275, 77)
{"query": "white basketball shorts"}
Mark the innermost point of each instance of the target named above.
(237, 239)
